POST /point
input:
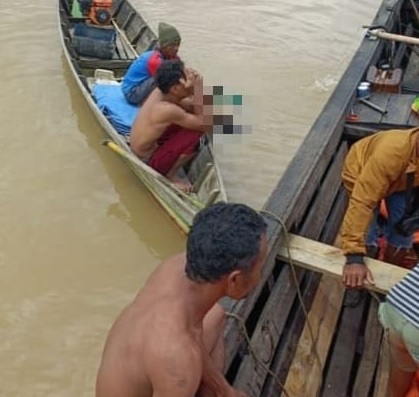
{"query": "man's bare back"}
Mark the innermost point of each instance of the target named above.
(169, 341)
(153, 331)
(149, 125)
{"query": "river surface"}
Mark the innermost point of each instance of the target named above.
(79, 234)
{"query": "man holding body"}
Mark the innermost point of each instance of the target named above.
(169, 341)
(138, 81)
(168, 128)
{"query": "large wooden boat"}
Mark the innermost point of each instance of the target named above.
(123, 34)
(324, 347)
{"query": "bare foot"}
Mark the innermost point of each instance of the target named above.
(181, 184)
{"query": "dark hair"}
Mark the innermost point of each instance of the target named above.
(168, 74)
(223, 237)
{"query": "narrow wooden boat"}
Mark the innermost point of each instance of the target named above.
(324, 347)
(122, 35)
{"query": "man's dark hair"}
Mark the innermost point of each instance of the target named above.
(224, 237)
(169, 74)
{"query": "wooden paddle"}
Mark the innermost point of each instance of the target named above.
(395, 37)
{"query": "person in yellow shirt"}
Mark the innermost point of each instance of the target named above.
(378, 167)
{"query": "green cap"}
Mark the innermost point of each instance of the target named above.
(168, 34)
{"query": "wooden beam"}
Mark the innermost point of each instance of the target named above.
(327, 259)
(305, 375)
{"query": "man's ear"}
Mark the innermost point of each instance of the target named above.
(233, 279)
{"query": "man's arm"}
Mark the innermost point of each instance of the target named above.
(191, 113)
(213, 379)
(372, 185)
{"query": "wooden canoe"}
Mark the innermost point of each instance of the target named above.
(350, 358)
(91, 73)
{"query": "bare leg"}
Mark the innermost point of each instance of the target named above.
(172, 174)
(399, 381)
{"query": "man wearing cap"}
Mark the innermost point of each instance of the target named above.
(138, 82)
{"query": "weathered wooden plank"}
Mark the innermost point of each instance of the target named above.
(413, 119)
(368, 115)
(338, 375)
(250, 376)
(398, 109)
(319, 211)
(410, 81)
(232, 336)
(335, 217)
(123, 13)
(372, 343)
(306, 372)
(116, 7)
(329, 260)
(120, 48)
(287, 346)
(104, 64)
(401, 49)
(381, 381)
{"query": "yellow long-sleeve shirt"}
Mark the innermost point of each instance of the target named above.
(375, 167)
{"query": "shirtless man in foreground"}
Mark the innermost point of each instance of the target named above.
(169, 125)
(169, 341)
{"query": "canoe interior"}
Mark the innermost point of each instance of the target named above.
(134, 36)
(311, 201)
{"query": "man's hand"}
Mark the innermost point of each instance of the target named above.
(192, 73)
(354, 275)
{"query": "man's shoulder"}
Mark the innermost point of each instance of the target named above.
(173, 345)
(162, 110)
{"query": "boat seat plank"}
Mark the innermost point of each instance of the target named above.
(398, 109)
(328, 259)
(368, 115)
(304, 377)
(113, 64)
(371, 351)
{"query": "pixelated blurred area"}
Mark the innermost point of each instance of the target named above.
(227, 111)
